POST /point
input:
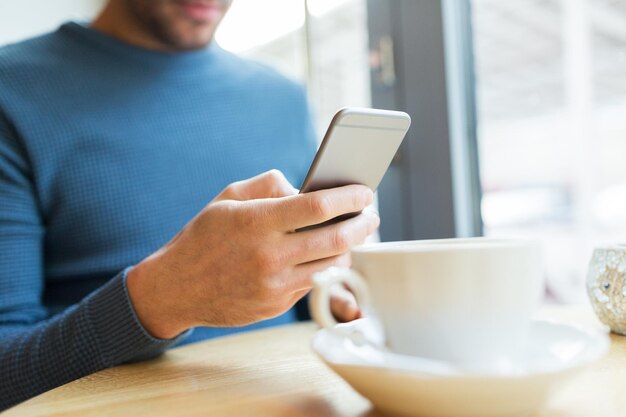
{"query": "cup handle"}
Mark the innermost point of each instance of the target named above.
(319, 304)
(320, 297)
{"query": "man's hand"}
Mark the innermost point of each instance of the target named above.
(239, 260)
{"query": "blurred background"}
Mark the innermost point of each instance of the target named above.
(518, 107)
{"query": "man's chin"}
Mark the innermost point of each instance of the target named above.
(187, 46)
(186, 40)
(170, 27)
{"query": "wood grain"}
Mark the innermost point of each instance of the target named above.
(274, 373)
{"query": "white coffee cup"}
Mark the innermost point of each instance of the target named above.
(465, 301)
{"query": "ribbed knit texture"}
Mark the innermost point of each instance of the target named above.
(106, 152)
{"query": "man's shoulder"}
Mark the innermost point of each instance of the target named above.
(18, 56)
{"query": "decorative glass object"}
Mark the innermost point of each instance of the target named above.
(606, 286)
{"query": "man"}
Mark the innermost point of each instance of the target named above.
(113, 138)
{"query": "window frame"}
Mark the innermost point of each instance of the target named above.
(432, 189)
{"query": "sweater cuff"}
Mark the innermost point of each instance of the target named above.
(121, 336)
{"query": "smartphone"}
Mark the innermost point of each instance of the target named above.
(357, 148)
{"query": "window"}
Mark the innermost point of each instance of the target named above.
(321, 43)
(552, 128)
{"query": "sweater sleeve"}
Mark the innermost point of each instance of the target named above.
(37, 352)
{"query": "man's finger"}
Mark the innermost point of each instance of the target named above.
(301, 277)
(270, 184)
(297, 296)
(331, 240)
(298, 211)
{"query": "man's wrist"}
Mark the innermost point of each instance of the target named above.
(152, 308)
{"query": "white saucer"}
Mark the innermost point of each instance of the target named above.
(410, 386)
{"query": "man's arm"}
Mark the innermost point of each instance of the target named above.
(37, 353)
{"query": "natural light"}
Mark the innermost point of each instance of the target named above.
(251, 23)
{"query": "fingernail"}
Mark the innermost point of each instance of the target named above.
(368, 196)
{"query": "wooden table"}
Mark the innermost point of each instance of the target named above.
(274, 373)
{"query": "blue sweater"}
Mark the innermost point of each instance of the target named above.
(106, 151)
